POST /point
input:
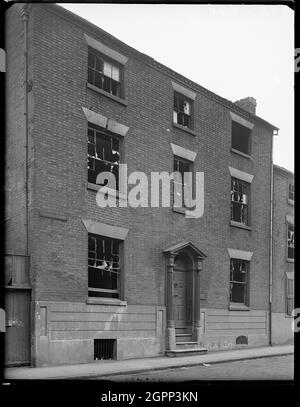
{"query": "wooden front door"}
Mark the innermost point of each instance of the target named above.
(183, 296)
(17, 335)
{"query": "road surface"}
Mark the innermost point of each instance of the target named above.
(270, 368)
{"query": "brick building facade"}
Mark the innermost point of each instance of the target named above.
(125, 282)
(283, 255)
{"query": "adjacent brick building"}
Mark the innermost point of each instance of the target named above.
(85, 282)
(283, 255)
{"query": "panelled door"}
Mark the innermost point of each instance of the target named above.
(17, 335)
(183, 296)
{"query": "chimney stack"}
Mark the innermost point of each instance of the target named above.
(248, 103)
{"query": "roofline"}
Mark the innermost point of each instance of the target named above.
(283, 170)
(57, 9)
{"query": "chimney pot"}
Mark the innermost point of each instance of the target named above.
(248, 103)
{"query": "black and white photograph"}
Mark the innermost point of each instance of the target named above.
(149, 192)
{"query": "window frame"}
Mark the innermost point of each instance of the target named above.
(182, 208)
(290, 296)
(246, 303)
(289, 259)
(105, 58)
(291, 200)
(248, 205)
(191, 116)
(119, 290)
(106, 133)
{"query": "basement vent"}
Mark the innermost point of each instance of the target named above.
(241, 340)
(104, 349)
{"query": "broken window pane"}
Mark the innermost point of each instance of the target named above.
(238, 281)
(290, 241)
(103, 154)
(182, 111)
(182, 187)
(104, 267)
(103, 74)
(239, 201)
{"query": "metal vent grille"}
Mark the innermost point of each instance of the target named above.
(104, 349)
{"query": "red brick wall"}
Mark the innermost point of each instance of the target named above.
(59, 249)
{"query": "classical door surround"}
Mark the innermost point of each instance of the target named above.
(196, 256)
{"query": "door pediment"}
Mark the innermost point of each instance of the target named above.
(184, 246)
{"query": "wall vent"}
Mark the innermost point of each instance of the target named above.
(241, 340)
(104, 349)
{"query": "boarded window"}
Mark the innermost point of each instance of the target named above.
(290, 241)
(241, 138)
(182, 110)
(104, 74)
(240, 201)
(103, 267)
(103, 154)
(239, 270)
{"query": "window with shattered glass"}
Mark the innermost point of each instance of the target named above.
(103, 267)
(240, 201)
(239, 270)
(103, 154)
(182, 111)
(104, 74)
(182, 184)
(290, 241)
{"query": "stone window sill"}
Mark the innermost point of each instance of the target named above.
(290, 260)
(238, 307)
(178, 126)
(239, 225)
(241, 154)
(290, 202)
(289, 316)
(117, 194)
(123, 102)
(106, 301)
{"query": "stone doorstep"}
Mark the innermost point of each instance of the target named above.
(186, 345)
(184, 338)
(186, 352)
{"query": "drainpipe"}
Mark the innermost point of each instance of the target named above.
(24, 15)
(271, 247)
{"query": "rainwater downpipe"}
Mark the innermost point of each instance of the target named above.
(24, 15)
(271, 245)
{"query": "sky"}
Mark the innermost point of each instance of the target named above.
(233, 50)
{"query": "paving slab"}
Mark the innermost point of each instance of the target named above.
(115, 367)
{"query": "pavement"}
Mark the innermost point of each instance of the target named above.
(128, 366)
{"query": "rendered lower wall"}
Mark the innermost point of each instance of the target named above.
(65, 332)
(220, 328)
(282, 331)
